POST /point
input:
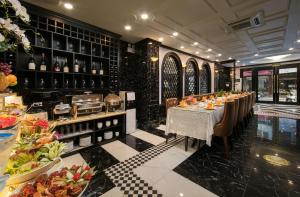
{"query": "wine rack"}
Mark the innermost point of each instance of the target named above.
(62, 38)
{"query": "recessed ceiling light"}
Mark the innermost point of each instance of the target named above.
(68, 6)
(217, 60)
(196, 43)
(208, 56)
(290, 49)
(197, 52)
(277, 57)
(230, 58)
(238, 61)
(209, 50)
(127, 27)
(144, 16)
(182, 47)
(160, 39)
(219, 55)
(298, 40)
(256, 55)
(175, 33)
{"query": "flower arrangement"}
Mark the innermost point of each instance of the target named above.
(11, 35)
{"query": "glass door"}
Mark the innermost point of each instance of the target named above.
(287, 85)
(265, 85)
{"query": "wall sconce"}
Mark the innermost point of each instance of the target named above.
(216, 71)
(154, 59)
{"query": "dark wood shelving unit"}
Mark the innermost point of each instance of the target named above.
(61, 37)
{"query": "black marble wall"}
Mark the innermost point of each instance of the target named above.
(139, 73)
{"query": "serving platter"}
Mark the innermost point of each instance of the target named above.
(21, 178)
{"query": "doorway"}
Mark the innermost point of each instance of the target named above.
(277, 84)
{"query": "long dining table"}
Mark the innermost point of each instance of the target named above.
(194, 121)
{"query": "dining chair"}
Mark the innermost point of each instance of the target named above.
(225, 126)
(170, 102)
(236, 115)
(245, 110)
(241, 112)
(249, 106)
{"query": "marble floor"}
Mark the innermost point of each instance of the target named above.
(264, 161)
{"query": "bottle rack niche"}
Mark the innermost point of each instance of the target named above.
(62, 41)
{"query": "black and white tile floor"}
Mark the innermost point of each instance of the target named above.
(141, 164)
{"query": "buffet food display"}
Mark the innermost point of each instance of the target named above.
(29, 149)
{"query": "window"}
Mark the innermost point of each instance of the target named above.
(205, 79)
(191, 78)
(247, 80)
(171, 77)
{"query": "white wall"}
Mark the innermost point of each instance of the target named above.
(184, 58)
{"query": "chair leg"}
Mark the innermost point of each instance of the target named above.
(175, 135)
(226, 146)
(186, 139)
(167, 138)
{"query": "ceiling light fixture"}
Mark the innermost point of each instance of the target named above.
(197, 52)
(217, 60)
(208, 56)
(290, 49)
(219, 55)
(182, 47)
(175, 33)
(277, 57)
(196, 43)
(209, 50)
(150, 43)
(160, 39)
(68, 6)
(238, 61)
(256, 55)
(144, 16)
(230, 58)
(127, 27)
(298, 41)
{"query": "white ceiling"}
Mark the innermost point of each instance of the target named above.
(201, 21)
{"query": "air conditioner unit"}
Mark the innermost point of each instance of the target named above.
(247, 23)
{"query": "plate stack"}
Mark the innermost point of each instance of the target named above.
(85, 141)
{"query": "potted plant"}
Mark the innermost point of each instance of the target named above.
(11, 36)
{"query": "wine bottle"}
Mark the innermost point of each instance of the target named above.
(83, 83)
(101, 69)
(43, 66)
(66, 67)
(76, 66)
(31, 63)
(83, 67)
(94, 71)
(56, 65)
(42, 83)
(55, 83)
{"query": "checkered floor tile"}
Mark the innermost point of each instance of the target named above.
(122, 176)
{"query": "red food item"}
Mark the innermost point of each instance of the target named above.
(42, 179)
(76, 176)
(42, 124)
(34, 165)
(87, 177)
(63, 173)
(87, 168)
(28, 190)
(7, 121)
(16, 195)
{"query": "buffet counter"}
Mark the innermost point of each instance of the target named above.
(89, 117)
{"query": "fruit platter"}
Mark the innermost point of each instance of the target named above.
(70, 182)
(7, 122)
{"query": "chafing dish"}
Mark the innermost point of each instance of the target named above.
(88, 103)
(62, 109)
(112, 102)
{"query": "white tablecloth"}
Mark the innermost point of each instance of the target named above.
(193, 121)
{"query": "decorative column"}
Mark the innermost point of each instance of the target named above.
(147, 79)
